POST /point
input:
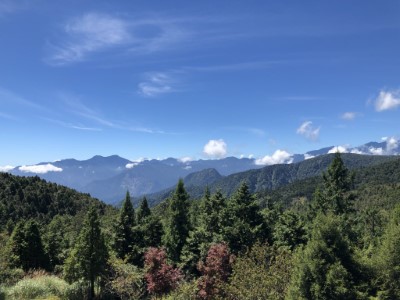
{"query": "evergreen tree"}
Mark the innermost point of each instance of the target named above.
(177, 223)
(335, 193)
(211, 214)
(143, 211)
(124, 237)
(325, 268)
(88, 259)
(387, 262)
(289, 230)
(26, 247)
(242, 221)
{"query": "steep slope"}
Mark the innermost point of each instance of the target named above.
(273, 177)
(31, 197)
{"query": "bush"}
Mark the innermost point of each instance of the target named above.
(10, 276)
(42, 287)
(185, 291)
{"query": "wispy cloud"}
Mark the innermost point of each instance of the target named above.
(252, 130)
(387, 100)
(242, 66)
(7, 116)
(73, 125)
(93, 33)
(88, 34)
(349, 116)
(309, 131)
(10, 97)
(156, 84)
(76, 106)
(12, 6)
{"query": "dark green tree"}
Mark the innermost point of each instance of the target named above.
(325, 268)
(26, 247)
(206, 232)
(88, 259)
(335, 193)
(124, 237)
(387, 262)
(144, 211)
(177, 223)
(289, 230)
(242, 221)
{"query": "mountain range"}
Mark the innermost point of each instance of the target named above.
(108, 178)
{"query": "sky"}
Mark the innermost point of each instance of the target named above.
(195, 79)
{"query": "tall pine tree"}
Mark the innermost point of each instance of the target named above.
(124, 237)
(144, 211)
(89, 257)
(176, 223)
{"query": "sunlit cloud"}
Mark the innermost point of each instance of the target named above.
(387, 100)
(338, 149)
(215, 148)
(309, 131)
(6, 169)
(40, 169)
(278, 157)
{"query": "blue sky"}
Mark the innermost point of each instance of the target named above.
(195, 79)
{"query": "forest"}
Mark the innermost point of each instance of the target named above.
(335, 236)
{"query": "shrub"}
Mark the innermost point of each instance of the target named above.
(38, 288)
(161, 278)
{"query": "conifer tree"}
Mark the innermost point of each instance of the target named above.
(177, 223)
(124, 237)
(143, 211)
(88, 259)
(242, 221)
(26, 247)
(325, 268)
(335, 193)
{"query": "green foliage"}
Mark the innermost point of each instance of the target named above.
(263, 272)
(144, 211)
(40, 287)
(242, 222)
(88, 259)
(176, 224)
(289, 231)
(124, 237)
(33, 198)
(334, 195)
(26, 248)
(325, 268)
(387, 262)
(126, 281)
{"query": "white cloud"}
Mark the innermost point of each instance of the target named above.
(340, 149)
(215, 148)
(349, 116)
(131, 165)
(278, 157)
(376, 151)
(387, 100)
(6, 168)
(356, 151)
(40, 169)
(307, 130)
(185, 159)
(391, 144)
(89, 33)
(156, 84)
(251, 156)
(308, 156)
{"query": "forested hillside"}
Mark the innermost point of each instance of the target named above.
(270, 177)
(332, 236)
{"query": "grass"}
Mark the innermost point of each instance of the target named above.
(44, 287)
